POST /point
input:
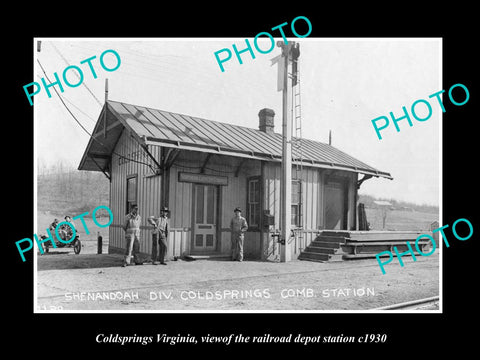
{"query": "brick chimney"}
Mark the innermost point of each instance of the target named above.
(266, 121)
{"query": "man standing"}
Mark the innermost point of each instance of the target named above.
(152, 221)
(238, 226)
(163, 234)
(160, 235)
(132, 236)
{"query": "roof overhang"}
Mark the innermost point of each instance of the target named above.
(112, 122)
(101, 144)
(219, 150)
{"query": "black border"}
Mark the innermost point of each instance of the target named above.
(418, 334)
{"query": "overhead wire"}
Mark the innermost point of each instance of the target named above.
(152, 74)
(162, 74)
(169, 74)
(188, 68)
(83, 128)
(157, 72)
(178, 74)
(83, 82)
(159, 57)
(75, 106)
(79, 109)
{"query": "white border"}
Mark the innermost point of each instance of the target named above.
(366, 311)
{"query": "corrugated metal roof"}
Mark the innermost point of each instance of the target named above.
(189, 132)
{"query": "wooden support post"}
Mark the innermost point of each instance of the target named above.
(207, 159)
(237, 170)
(170, 158)
(145, 148)
(100, 168)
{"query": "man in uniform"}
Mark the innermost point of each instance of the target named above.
(238, 226)
(132, 236)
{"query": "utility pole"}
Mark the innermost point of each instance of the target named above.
(105, 113)
(286, 180)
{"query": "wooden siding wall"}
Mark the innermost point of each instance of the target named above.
(257, 244)
(231, 196)
(313, 219)
(149, 197)
(180, 205)
(352, 201)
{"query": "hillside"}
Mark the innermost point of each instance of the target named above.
(368, 200)
(399, 215)
(72, 192)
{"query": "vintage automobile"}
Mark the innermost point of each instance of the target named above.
(65, 232)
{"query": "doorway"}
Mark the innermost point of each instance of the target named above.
(336, 204)
(204, 218)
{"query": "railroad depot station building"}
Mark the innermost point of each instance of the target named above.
(203, 169)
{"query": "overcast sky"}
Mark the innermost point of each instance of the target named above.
(345, 83)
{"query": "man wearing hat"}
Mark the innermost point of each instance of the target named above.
(131, 227)
(238, 226)
(152, 221)
(53, 226)
(160, 234)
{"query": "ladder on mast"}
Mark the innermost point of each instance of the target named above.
(297, 122)
(297, 153)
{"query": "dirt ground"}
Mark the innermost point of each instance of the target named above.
(90, 282)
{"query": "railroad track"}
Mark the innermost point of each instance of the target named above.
(431, 303)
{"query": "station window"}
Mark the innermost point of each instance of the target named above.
(131, 192)
(296, 203)
(253, 202)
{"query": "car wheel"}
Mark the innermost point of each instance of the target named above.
(77, 246)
